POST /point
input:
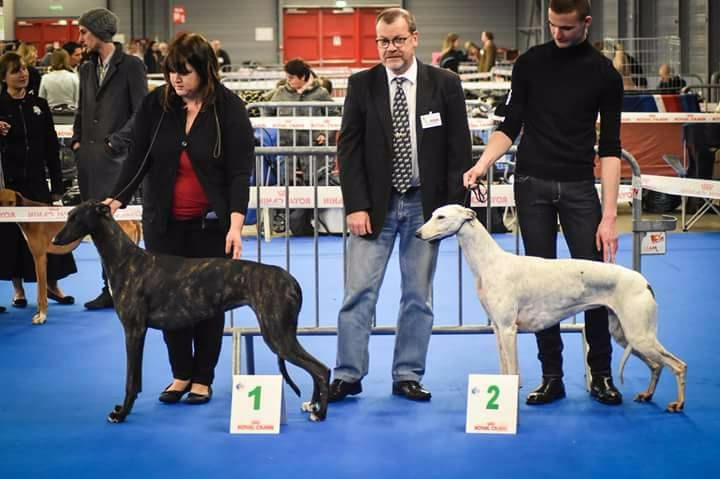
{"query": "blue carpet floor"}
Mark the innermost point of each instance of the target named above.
(61, 379)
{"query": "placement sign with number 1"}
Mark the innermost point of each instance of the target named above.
(492, 404)
(256, 404)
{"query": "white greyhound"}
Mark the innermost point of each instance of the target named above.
(530, 294)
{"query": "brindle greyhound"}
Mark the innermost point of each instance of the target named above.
(168, 292)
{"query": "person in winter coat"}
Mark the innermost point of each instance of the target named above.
(112, 86)
(29, 146)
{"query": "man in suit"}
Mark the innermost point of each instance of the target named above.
(112, 86)
(403, 146)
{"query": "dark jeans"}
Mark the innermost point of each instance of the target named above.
(539, 204)
(192, 239)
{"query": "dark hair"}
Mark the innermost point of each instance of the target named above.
(195, 50)
(326, 84)
(389, 15)
(582, 7)
(10, 62)
(70, 47)
(489, 35)
(299, 68)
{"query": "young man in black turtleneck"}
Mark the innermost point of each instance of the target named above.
(558, 89)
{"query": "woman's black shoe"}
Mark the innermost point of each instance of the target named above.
(19, 303)
(60, 299)
(195, 398)
(173, 396)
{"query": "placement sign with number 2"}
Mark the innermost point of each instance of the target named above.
(492, 404)
(256, 404)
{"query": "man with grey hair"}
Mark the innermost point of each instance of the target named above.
(112, 86)
(404, 144)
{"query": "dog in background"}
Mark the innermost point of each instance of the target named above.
(169, 292)
(531, 294)
(39, 235)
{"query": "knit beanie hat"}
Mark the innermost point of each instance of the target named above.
(100, 22)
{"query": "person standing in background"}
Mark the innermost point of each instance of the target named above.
(112, 86)
(29, 148)
(61, 85)
(222, 55)
(488, 53)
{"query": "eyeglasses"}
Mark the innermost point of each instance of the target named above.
(385, 42)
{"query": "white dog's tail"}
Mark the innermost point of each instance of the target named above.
(616, 331)
(625, 356)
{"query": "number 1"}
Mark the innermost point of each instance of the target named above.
(256, 394)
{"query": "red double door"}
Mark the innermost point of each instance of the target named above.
(46, 30)
(331, 36)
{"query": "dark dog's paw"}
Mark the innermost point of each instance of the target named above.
(117, 415)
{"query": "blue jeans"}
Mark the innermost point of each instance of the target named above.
(540, 203)
(367, 261)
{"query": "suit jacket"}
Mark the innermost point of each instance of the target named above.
(105, 114)
(365, 142)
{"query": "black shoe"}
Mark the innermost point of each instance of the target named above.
(603, 389)
(173, 396)
(104, 300)
(195, 398)
(60, 299)
(411, 390)
(340, 389)
(19, 303)
(2, 309)
(551, 389)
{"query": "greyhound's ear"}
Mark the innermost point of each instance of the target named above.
(470, 214)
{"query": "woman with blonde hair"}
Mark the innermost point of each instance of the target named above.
(451, 54)
(488, 52)
(60, 86)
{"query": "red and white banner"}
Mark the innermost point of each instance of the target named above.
(42, 214)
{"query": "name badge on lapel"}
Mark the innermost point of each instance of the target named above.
(431, 120)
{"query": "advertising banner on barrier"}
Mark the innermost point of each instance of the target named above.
(329, 197)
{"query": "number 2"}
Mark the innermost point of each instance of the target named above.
(495, 392)
(256, 394)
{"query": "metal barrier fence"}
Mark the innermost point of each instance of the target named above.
(643, 56)
(710, 91)
(259, 197)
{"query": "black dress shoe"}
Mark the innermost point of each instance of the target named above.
(2, 309)
(551, 389)
(173, 396)
(19, 303)
(195, 398)
(104, 300)
(340, 389)
(603, 389)
(60, 299)
(411, 390)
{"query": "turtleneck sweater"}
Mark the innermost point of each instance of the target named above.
(557, 94)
